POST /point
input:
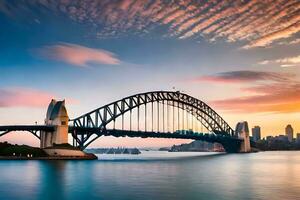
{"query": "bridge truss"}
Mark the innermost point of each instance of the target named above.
(161, 113)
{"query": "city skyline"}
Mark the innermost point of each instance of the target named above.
(240, 57)
(293, 134)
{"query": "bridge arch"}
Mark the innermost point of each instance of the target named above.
(96, 121)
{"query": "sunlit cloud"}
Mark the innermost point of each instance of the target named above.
(78, 55)
(287, 65)
(277, 98)
(292, 42)
(269, 91)
(24, 97)
(258, 23)
(273, 36)
(284, 62)
(296, 41)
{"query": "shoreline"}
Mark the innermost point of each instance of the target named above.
(89, 157)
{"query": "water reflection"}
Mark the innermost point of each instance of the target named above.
(52, 180)
(267, 175)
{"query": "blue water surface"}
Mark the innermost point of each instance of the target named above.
(156, 176)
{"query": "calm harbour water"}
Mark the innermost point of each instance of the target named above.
(155, 176)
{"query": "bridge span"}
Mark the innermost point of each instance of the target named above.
(160, 114)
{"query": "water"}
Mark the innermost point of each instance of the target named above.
(156, 176)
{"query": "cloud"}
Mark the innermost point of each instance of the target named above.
(244, 77)
(27, 97)
(269, 38)
(78, 55)
(296, 41)
(293, 60)
(24, 97)
(292, 42)
(284, 62)
(275, 98)
(257, 23)
(269, 91)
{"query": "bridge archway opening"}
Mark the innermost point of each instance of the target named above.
(20, 137)
(159, 117)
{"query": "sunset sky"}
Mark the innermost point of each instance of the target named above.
(242, 57)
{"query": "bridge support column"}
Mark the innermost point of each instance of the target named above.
(57, 116)
(242, 131)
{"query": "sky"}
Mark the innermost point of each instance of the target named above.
(241, 57)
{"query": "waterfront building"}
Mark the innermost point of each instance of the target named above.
(269, 138)
(256, 133)
(298, 137)
(289, 132)
(282, 138)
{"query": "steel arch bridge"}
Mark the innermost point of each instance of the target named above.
(90, 126)
(175, 113)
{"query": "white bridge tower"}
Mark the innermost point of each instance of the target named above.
(57, 116)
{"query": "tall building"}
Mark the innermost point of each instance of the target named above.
(256, 133)
(289, 132)
(298, 137)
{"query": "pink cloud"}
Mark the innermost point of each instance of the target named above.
(269, 91)
(24, 97)
(277, 98)
(258, 23)
(78, 55)
(269, 38)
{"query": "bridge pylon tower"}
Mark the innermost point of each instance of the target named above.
(56, 116)
(242, 132)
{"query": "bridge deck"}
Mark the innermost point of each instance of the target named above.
(146, 134)
(27, 128)
(176, 135)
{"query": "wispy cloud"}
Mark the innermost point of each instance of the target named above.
(284, 62)
(245, 76)
(259, 23)
(24, 97)
(269, 92)
(276, 35)
(276, 98)
(291, 42)
(78, 55)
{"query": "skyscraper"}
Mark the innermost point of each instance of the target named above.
(298, 137)
(256, 133)
(289, 132)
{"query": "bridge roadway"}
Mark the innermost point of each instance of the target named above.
(27, 128)
(227, 141)
(182, 134)
(34, 129)
(117, 132)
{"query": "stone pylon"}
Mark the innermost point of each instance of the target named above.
(57, 116)
(242, 132)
